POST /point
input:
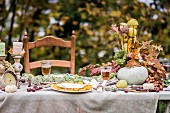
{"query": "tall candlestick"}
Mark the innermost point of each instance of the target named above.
(2, 67)
(18, 68)
(17, 48)
(2, 49)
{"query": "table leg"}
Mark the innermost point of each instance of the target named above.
(163, 106)
(167, 107)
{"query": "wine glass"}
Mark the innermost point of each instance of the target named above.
(46, 68)
(167, 69)
(105, 72)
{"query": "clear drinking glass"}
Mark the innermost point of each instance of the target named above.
(167, 69)
(105, 72)
(46, 67)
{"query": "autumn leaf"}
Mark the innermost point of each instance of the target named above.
(158, 65)
(133, 55)
(146, 43)
(10, 51)
(95, 71)
(132, 63)
(159, 48)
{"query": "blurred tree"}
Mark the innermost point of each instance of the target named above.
(91, 19)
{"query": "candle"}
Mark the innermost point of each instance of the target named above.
(148, 86)
(2, 48)
(17, 48)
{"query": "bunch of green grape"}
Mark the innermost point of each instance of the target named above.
(8, 66)
(120, 57)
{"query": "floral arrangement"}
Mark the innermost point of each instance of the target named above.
(132, 53)
(94, 70)
(126, 33)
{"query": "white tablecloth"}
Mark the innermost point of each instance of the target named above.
(92, 102)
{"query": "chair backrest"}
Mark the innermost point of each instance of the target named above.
(49, 41)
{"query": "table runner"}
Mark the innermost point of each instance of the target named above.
(92, 102)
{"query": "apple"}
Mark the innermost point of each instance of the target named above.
(28, 89)
(125, 90)
(22, 80)
(36, 88)
(32, 89)
(40, 87)
(3, 89)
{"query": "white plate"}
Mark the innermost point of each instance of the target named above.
(59, 75)
(67, 91)
(45, 83)
(71, 85)
(166, 89)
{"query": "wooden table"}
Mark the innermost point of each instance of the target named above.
(51, 101)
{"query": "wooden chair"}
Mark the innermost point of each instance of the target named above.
(49, 41)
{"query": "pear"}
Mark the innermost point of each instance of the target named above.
(121, 84)
(132, 23)
(132, 32)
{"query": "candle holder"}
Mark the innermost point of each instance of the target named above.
(2, 68)
(18, 67)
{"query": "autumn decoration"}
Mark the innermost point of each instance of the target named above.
(133, 54)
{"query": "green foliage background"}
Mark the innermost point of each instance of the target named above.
(91, 20)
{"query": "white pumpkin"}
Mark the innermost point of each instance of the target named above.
(133, 75)
(11, 88)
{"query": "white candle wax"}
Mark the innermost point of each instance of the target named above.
(148, 86)
(2, 48)
(17, 48)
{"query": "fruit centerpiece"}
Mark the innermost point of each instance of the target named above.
(136, 62)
